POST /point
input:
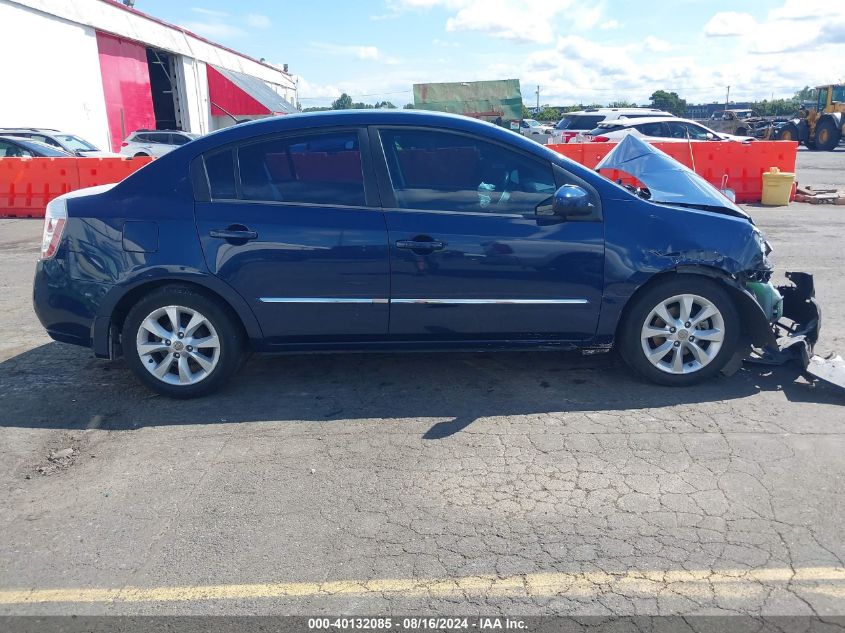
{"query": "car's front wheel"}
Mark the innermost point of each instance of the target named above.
(680, 331)
(181, 343)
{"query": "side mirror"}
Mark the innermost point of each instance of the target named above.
(571, 201)
(710, 136)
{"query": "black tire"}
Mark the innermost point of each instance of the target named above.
(827, 135)
(631, 347)
(231, 351)
(788, 132)
(140, 155)
(741, 132)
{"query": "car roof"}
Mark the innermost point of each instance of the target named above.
(645, 119)
(166, 131)
(170, 165)
(615, 111)
(42, 130)
(379, 116)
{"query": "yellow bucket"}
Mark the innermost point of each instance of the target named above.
(777, 186)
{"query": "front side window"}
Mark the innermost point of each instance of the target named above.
(178, 139)
(838, 94)
(453, 172)
(316, 169)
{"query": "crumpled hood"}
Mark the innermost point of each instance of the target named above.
(668, 180)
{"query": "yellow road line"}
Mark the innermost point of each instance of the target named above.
(828, 581)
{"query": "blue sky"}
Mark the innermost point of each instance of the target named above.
(577, 51)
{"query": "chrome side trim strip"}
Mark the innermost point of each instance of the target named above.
(494, 301)
(319, 300)
(428, 301)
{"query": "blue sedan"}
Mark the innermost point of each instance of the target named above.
(402, 230)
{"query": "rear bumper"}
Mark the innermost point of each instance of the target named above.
(67, 308)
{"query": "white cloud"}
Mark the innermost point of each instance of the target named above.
(729, 24)
(209, 12)
(367, 53)
(258, 21)
(656, 45)
(752, 55)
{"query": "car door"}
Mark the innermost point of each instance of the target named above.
(475, 253)
(293, 223)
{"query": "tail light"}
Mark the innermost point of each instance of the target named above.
(124, 144)
(55, 218)
(600, 139)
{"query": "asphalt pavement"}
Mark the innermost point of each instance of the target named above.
(522, 483)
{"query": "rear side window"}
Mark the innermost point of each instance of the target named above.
(8, 150)
(580, 122)
(652, 129)
(316, 169)
(220, 168)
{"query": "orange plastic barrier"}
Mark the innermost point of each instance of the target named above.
(742, 163)
(28, 184)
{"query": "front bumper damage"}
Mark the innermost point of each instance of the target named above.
(796, 332)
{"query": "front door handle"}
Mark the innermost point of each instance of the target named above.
(428, 246)
(234, 233)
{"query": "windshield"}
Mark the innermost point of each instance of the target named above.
(532, 123)
(668, 181)
(74, 143)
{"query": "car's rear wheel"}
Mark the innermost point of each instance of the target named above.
(680, 331)
(181, 343)
(140, 155)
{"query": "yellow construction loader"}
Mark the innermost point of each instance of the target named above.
(821, 126)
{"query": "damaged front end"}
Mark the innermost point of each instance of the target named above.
(782, 322)
(795, 331)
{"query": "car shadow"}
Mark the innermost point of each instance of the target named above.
(57, 386)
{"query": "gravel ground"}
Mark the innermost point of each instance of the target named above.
(525, 483)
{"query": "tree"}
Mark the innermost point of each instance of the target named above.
(623, 104)
(547, 113)
(385, 104)
(669, 101)
(806, 94)
(526, 113)
(343, 102)
(408, 106)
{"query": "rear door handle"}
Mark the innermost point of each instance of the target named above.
(233, 234)
(415, 245)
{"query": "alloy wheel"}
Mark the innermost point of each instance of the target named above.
(682, 334)
(178, 345)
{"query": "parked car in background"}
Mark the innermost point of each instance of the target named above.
(653, 129)
(402, 230)
(531, 127)
(68, 142)
(154, 142)
(574, 123)
(16, 147)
